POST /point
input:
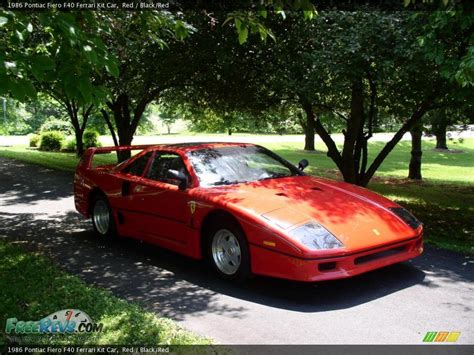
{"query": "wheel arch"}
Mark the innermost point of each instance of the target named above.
(96, 191)
(207, 223)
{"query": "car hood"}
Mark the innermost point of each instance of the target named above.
(358, 217)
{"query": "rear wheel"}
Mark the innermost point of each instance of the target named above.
(102, 217)
(228, 251)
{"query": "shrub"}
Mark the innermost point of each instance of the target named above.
(70, 145)
(55, 124)
(91, 138)
(51, 141)
(34, 140)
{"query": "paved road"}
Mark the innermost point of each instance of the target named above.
(398, 304)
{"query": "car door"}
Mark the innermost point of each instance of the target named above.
(164, 204)
(126, 203)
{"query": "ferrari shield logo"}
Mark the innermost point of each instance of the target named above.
(192, 206)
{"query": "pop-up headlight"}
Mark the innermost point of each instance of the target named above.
(315, 237)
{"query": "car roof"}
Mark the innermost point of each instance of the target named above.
(185, 147)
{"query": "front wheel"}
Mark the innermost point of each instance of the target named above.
(102, 217)
(228, 251)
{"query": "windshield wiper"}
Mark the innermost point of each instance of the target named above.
(228, 182)
(276, 176)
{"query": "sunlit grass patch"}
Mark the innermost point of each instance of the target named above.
(437, 166)
(446, 210)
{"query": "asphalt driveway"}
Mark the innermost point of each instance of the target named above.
(395, 305)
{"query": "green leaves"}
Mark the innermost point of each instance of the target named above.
(444, 3)
(54, 51)
(262, 13)
(41, 64)
(243, 34)
(180, 30)
(247, 22)
(112, 68)
(20, 89)
(3, 21)
(85, 88)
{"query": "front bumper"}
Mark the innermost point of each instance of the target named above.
(270, 262)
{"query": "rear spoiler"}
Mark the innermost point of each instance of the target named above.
(88, 156)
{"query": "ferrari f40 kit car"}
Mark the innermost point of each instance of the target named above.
(246, 210)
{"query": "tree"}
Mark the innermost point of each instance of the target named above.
(18, 118)
(414, 169)
(57, 53)
(362, 63)
(168, 118)
(138, 40)
(78, 111)
(52, 45)
(447, 41)
(460, 113)
(353, 65)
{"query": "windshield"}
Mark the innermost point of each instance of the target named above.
(237, 164)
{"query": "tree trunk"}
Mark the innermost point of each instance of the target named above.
(350, 157)
(309, 132)
(440, 134)
(407, 126)
(439, 125)
(229, 131)
(79, 143)
(333, 151)
(78, 132)
(335, 155)
(125, 124)
(125, 137)
(110, 126)
(414, 170)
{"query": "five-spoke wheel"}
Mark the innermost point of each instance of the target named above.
(102, 218)
(228, 250)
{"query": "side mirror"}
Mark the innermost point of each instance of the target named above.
(303, 164)
(181, 177)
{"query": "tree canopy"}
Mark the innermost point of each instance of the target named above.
(272, 65)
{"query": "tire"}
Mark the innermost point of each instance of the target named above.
(227, 250)
(102, 218)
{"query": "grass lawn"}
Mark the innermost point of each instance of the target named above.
(444, 201)
(24, 290)
(437, 166)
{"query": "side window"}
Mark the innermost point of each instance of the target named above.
(138, 166)
(163, 162)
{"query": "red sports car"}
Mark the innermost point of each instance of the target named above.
(246, 210)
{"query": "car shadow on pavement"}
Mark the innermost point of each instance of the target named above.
(176, 286)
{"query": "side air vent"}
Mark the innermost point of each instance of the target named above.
(406, 216)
